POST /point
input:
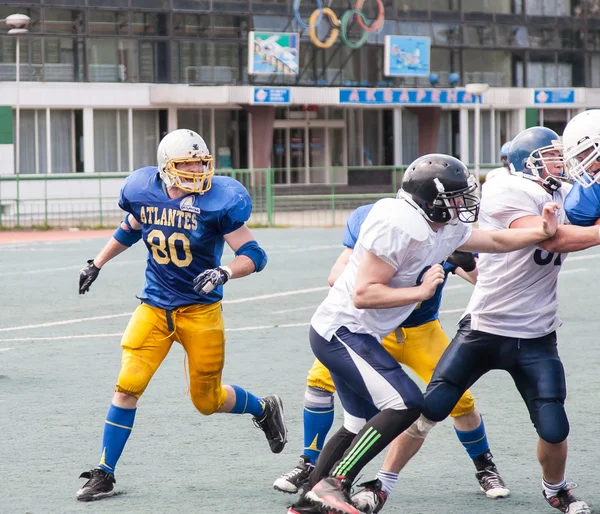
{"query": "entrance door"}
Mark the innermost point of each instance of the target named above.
(305, 150)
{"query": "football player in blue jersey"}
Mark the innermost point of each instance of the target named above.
(184, 215)
(581, 140)
(418, 343)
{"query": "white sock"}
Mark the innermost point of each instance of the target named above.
(388, 480)
(552, 489)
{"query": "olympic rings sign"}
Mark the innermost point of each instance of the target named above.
(339, 27)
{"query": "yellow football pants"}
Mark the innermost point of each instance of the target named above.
(149, 337)
(420, 350)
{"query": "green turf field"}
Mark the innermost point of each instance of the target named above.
(60, 356)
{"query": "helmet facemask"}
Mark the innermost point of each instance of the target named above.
(542, 164)
(460, 205)
(581, 158)
(191, 181)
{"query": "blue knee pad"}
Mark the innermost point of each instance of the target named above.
(551, 423)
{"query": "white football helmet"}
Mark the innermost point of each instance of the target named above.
(181, 146)
(581, 142)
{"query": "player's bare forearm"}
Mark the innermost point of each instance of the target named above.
(380, 296)
(241, 266)
(340, 264)
(469, 276)
(503, 241)
(110, 251)
(570, 238)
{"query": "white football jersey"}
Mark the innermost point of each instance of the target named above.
(396, 233)
(495, 173)
(516, 292)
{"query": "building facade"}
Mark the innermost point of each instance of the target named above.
(101, 81)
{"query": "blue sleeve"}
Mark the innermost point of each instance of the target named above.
(582, 205)
(237, 212)
(449, 268)
(353, 224)
(124, 202)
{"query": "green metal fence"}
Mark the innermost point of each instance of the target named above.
(319, 197)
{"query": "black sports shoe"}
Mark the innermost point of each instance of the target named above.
(100, 485)
(272, 423)
(292, 481)
(566, 502)
(332, 494)
(303, 506)
(371, 499)
(489, 478)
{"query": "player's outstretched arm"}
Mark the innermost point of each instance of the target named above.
(466, 265)
(126, 234)
(249, 257)
(371, 291)
(568, 238)
(511, 239)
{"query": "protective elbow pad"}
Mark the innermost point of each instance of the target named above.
(255, 253)
(127, 237)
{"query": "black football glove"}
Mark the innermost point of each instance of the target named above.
(464, 260)
(87, 276)
(209, 279)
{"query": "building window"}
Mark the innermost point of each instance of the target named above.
(63, 59)
(145, 138)
(195, 61)
(111, 141)
(32, 140)
(108, 23)
(192, 25)
(62, 129)
(63, 21)
(198, 120)
(226, 149)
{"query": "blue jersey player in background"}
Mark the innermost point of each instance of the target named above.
(418, 343)
(184, 215)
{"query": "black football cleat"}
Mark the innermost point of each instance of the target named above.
(272, 423)
(100, 485)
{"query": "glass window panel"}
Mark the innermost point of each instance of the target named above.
(63, 21)
(42, 152)
(63, 60)
(192, 25)
(108, 22)
(226, 139)
(108, 3)
(410, 136)
(227, 25)
(493, 67)
(143, 23)
(145, 138)
(480, 35)
(151, 4)
(147, 51)
(27, 139)
(61, 137)
(488, 6)
(226, 66)
(197, 120)
(542, 37)
(129, 61)
(195, 61)
(124, 138)
(446, 34)
(191, 5)
(512, 36)
(595, 70)
(414, 29)
(372, 141)
(103, 61)
(106, 158)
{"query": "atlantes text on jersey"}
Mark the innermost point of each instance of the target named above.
(515, 294)
(184, 236)
(428, 310)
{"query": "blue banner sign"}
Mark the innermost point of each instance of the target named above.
(271, 95)
(422, 96)
(554, 96)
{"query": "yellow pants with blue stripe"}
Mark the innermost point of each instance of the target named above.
(418, 348)
(149, 336)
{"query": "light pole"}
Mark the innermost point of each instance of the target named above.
(477, 89)
(18, 24)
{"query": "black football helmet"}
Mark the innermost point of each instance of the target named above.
(441, 188)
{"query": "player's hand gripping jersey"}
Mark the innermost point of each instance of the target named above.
(184, 236)
(524, 301)
(429, 309)
(396, 233)
(582, 205)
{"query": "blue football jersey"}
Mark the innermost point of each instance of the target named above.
(184, 236)
(428, 310)
(582, 205)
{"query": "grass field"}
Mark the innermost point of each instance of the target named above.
(60, 355)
